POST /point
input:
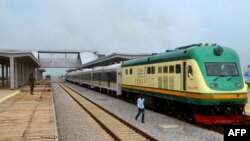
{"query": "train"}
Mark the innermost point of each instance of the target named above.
(48, 77)
(202, 82)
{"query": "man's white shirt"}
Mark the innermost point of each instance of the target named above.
(140, 103)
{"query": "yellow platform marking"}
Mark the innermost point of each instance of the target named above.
(165, 126)
(8, 96)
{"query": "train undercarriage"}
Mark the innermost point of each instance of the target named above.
(225, 113)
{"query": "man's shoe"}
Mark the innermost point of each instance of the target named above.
(142, 122)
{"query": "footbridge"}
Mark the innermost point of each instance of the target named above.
(65, 59)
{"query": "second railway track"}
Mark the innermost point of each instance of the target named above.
(117, 128)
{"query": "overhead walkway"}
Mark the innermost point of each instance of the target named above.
(65, 59)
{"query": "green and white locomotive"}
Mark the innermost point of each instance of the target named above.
(203, 82)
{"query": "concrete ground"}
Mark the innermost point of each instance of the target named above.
(27, 117)
(6, 93)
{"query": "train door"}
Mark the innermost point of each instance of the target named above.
(145, 75)
(175, 78)
(91, 79)
(109, 77)
(184, 76)
(99, 76)
(118, 80)
(191, 84)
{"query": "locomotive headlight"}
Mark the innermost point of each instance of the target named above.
(218, 51)
(213, 85)
(238, 85)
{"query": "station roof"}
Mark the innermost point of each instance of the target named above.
(24, 56)
(112, 59)
(42, 70)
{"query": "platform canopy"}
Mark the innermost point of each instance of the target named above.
(16, 66)
(110, 59)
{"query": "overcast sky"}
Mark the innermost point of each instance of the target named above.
(125, 26)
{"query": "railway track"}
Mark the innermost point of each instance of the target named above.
(117, 128)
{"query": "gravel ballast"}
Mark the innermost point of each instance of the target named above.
(160, 126)
(73, 123)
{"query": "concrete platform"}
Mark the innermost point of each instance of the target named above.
(6, 93)
(27, 117)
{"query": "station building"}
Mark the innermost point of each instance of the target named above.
(15, 67)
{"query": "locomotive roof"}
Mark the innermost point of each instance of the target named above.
(196, 51)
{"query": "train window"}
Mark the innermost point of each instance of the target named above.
(153, 70)
(177, 68)
(131, 71)
(126, 71)
(190, 71)
(160, 69)
(148, 70)
(165, 69)
(171, 69)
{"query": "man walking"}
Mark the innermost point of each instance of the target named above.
(140, 106)
(31, 83)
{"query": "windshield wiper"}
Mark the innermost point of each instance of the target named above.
(219, 77)
(230, 77)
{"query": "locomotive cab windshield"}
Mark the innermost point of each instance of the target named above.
(221, 69)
